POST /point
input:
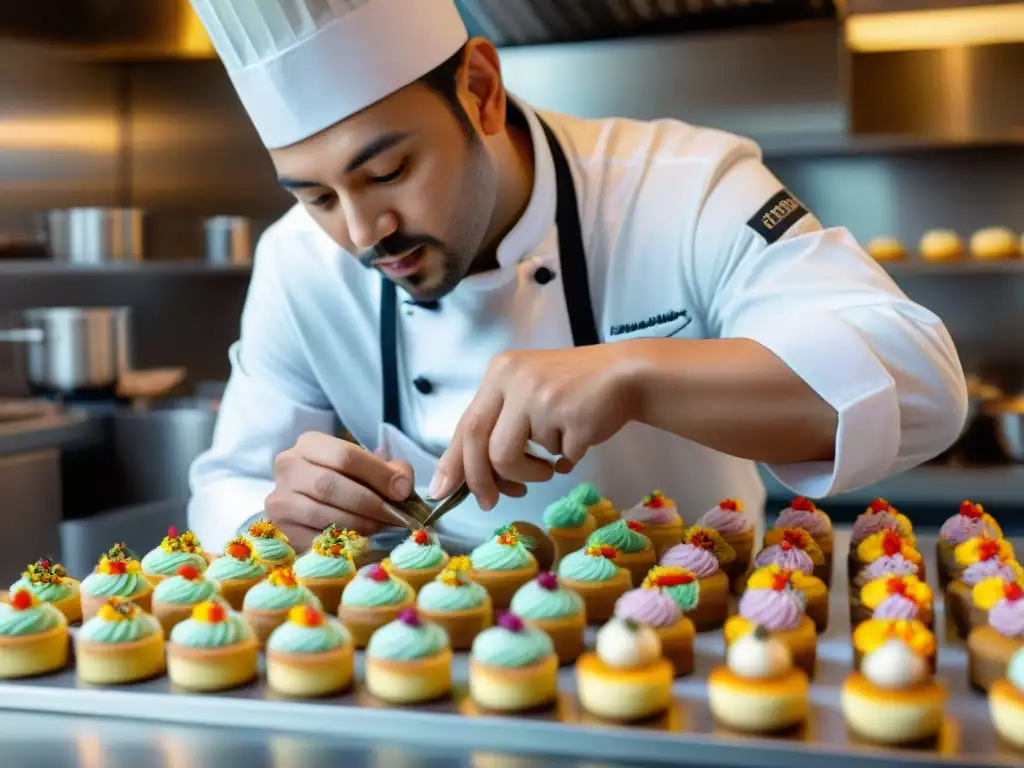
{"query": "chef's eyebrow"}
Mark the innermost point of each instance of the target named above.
(362, 157)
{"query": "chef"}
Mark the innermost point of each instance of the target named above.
(479, 290)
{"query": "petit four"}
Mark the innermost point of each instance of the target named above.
(651, 606)
(50, 583)
(635, 550)
(408, 660)
(270, 544)
(557, 610)
(266, 605)
(418, 560)
(804, 513)
(815, 592)
(779, 608)
(884, 554)
(990, 647)
(309, 655)
(236, 571)
(972, 521)
(117, 574)
(702, 553)
(661, 520)
(602, 510)
(174, 551)
(941, 245)
(791, 548)
(975, 560)
(214, 650)
(872, 633)
(625, 678)
(894, 597)
(568, 525)
(879, 516)
(894, 699)
(120, 644)
(737, 530)
(759, 689)
(1006, 702)
(593, 574)
(513, 667)
(174, 598)
(33, 636)
(503, 564)
(457, 603)
(681, 585)
(371, 600)
(327, 568)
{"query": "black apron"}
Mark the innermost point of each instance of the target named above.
(575, 284)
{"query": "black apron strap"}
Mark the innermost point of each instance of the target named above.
(575, 284)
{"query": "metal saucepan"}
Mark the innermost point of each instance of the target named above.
(74, 350)
(96, 235)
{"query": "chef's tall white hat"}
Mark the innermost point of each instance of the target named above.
(300, 66)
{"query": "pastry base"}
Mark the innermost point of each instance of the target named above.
(988, 655)
(514, 690)
(328, 591)
(962, 615)
(120, 663)
(623, 694)
(212, 669)
(501, 585)
(712, 607)
(758, 705)
(604, 513)
(893, 716)
(264, 622)
(1006, 705)
(738, 570)
(802, 643)
(663, 537)
(462, 626)
(569, 540)
(677, 646)
(310, 675)
(410, 682)
(71, 606)
(170, 615)
(31, 655)
(566, 633)
(91, 605)
(363, 622)
(233, 591)
(946, 566)
(599, 596)
(638, 563)
(817, 605)
(417, 579)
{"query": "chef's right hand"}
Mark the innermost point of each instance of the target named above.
(324, 479)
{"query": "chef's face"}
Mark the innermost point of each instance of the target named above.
(407, 186)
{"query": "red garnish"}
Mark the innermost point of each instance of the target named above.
(312, 617)
(795, 537)
(892, 544)
(421, 537)
(896, 586)
(22, 600)
(1013, 592)
(116, 567)
(988, 549)
(189, 572)
(880, 505)
(409, 617)
(702, 540)
(802, 503)
(239, 551)
(172, 532)
(511, 622)
(377, 573)
(655, 501)
(608, 551)
(780, 581)
(634, 525)
(971, 510)
(44, 564)
(674, 579)
(216, 613)
(548, 581)
(729, 504)
(786, 545)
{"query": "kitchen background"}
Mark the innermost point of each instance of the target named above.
(884, 125)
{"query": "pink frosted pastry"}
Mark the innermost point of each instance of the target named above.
(791, 548)
(991, 647)
(892, 549)
(970, 522)
(977, 560)
(651, 606)
(803, 513)
(697, 555)
(879, 516)
(662, 522)
(738, 532)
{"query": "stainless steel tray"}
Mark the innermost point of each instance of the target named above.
(687, 734)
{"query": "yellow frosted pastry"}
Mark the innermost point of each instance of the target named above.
(941, 245)
(994, 243)
(886, 249)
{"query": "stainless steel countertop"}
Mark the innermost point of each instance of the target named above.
(157, 720)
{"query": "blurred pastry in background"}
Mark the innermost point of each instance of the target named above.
(994, 243)
(886, 249)
(941, 245)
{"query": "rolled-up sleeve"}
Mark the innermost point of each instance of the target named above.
(816, 300)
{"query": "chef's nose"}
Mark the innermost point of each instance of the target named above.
(367, 226)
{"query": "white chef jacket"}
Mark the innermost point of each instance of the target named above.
(669, 214)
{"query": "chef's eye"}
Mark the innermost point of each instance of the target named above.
(322, 201)
(389, 178)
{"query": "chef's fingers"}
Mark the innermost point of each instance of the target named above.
(574, 446)
(563, 466)
(355, 462)
(304, 519)
(404, 469)
(477, 424)
(507, 445)
(508, 488)
(333, 489)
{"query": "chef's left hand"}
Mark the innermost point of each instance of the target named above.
(565, 400)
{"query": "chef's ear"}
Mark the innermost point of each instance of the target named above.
(481, 78)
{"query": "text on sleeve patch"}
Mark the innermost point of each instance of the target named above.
(780, 213)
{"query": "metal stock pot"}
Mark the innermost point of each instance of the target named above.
(73, 350)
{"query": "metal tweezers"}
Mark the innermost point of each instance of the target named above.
(414, 512)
